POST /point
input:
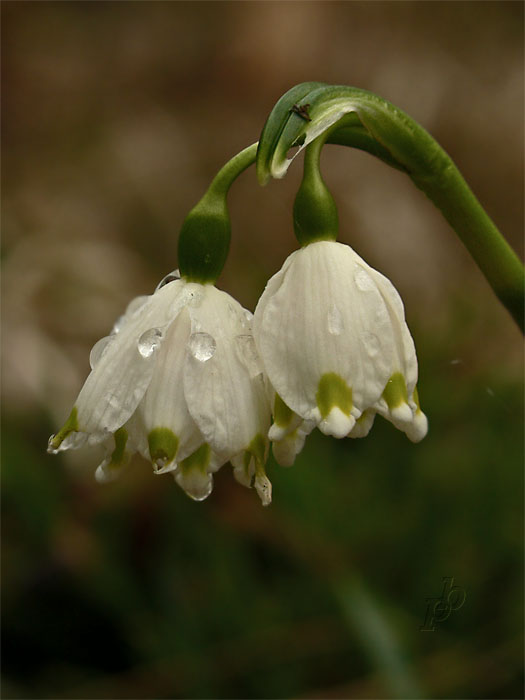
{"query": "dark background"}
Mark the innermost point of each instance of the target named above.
(116, 115)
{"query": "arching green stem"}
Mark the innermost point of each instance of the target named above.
(204, 239)
(363, 120)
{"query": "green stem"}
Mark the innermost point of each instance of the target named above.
(495, 258)
(314, 211)
(363, 120)
(204, 239)
(226, 176)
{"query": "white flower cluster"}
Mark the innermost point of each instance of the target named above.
(190, 380)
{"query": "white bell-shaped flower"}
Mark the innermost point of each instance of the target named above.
(178, 380)
(335, 346)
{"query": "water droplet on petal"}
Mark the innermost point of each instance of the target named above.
(149, 342)
(363, 280)
(247, 319)
(202, 346)
(371, 344)
(117, 326)
(171, 277)
(248, 355)
(136, 303)
(335, 321)
(98, 350)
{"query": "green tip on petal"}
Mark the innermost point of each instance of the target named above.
(282, 414)
(119, 453)
(415, 396)
(192, 474)
(257, 448)
(70, 426)
(111, 466)
(333, 392)
(395, 392)
(163, 446)
(200, 459)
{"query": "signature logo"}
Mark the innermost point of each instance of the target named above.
(452, 598)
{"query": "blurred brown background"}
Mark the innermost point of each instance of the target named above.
(116, 115)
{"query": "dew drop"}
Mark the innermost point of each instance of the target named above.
(371, 344)
(136, 303)
(202, 346)
(248, 355)
(114, 402)
(117, 326)
(335, 321)
(171, 277)
(363, 280)
(247, 319)
(98, 350)
(149, 342)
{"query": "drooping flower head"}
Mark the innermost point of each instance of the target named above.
(332, 336)
(179, 381)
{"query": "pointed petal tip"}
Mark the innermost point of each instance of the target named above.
(105, 474)
(263, 487)
(418, 428)
(196, 485)
(363, 425)
(337, 424)
(402, 415)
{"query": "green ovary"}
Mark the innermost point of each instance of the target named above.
(163, 444)
(333, 392)
(395, 392)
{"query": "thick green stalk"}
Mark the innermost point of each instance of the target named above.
(363, 120)
(204, 240)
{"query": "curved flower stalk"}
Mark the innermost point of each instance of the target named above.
(180, 382)
(363, 120)
(333, 339)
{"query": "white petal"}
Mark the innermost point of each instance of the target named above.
(225, 397)
(323, 314)
(406, 360)
(417, 430)
(363, 424)
(164, 405)
(114, 388)
(337, 423)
